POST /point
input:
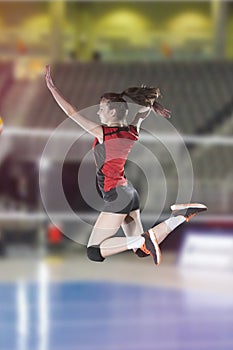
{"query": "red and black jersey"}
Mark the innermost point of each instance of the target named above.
(111, 155)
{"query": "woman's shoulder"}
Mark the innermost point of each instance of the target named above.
(122, 131)
(134, 131)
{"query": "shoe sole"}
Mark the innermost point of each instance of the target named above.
(154, 250)
(187, 206)
(156, 246)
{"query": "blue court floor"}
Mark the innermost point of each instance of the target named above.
(84, 315)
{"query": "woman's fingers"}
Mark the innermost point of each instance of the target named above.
(48, 77)
(47, 68)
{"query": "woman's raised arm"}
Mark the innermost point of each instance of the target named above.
(141, 115)
(88, 125)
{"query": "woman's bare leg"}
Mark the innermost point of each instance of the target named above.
(180, 213)
(132, 225)
(101, 243)
(102, 238)
(107, 224)
(163, 229)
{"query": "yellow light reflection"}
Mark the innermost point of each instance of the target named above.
(36, 28)
(189, 23)
(123, 23)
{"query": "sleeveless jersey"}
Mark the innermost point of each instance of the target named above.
(111, 155)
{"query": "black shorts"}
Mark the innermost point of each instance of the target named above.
(121, 199)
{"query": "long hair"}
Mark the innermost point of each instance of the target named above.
(145, 96)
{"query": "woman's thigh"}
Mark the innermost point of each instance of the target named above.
(105, 227)
(132, 225)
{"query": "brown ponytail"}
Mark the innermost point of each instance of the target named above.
(146, 96)
(143, 95)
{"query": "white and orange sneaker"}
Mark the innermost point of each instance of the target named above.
(187, 210)
(151, 247)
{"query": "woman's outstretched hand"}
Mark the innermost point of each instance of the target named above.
(48, 78)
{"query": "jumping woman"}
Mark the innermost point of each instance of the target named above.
(114, 139)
